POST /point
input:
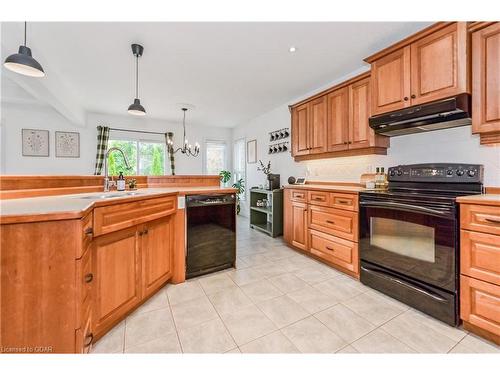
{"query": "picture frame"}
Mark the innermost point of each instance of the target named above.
(35, 142)
(252, 151)
(67, 144)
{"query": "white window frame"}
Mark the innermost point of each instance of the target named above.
(205, 149)
(121, 136)
(244, 171)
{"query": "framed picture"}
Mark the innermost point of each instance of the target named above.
(252, 151)
(67, 145)
(35, 142)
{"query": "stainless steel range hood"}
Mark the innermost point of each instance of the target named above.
(441, 114)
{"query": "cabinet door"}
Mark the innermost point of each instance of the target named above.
(299, 226)
(300, 129)
(360, 133)
(391, 82)
(338, 119)
(317, 126)
(157, 240)
(287, 216)
(486, 79)
(439, 64)
(117, 281)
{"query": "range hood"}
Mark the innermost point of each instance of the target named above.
(441, 114)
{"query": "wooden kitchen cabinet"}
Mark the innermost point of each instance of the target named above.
(117, 277)
(427, 66)
(391, 82)
(299, 225)
(300, 130)
(338, 120)
(157, 253)
(486, 82)
(337, 123)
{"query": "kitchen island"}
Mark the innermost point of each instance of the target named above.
(75, 265)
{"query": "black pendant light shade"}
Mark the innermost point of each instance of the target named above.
(23, 63)
(136, 108)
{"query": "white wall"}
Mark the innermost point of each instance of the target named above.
(14, 117)
(456, 145)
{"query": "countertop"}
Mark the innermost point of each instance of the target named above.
(327, 187)
(486, 199)
(59, 207)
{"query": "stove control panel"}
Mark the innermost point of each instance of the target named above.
(437, 172)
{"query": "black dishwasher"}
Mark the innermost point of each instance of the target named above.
(211, 233)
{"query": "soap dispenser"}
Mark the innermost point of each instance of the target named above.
(120, 184)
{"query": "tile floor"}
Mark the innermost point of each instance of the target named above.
(279, 301)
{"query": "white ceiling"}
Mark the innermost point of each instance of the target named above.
(231, 72)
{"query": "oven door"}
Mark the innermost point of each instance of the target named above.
(417, 239)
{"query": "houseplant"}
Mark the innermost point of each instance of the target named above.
(239, 185)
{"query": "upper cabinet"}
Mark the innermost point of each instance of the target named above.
(427, 66)
(486, 82)
(335, 123)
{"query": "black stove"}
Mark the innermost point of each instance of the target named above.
(409, 242)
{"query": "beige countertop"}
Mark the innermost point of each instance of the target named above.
(486, 199)
(58, 207)
(327, 187)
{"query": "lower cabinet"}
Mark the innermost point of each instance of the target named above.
(117, 272)
(157, 250)
(299, 225)
(129, 266)
(324, 224)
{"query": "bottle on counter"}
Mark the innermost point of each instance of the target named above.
(120, 183)
(383, 178)
(377, 178)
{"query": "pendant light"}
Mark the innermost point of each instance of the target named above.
(23, 63)
(136, 108)
(186, 148)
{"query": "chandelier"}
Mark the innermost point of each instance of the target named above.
(186, 148)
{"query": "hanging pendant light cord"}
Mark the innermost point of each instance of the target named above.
(137, 76)
(184, 126)
(25, 33)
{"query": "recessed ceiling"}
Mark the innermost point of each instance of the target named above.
(231, 72)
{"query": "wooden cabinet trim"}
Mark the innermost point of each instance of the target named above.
(480, 218)
(335, 222)
(320, 198)
(299, 225)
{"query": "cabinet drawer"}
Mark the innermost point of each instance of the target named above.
(480, 304)
(83, 335)
(480, 256)
(344, 201)
(299, 195)
(321, 198)
(340, 223)
(335, 250)
(480, 218)
(120, 216)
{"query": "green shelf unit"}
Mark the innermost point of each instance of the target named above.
(267, 219)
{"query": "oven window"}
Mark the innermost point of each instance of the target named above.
(403, 238)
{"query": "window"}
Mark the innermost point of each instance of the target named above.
(215, 157)
(146, 158)
(239, 162)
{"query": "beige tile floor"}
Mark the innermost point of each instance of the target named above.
(279, 301)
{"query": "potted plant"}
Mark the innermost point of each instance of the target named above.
(239, 185)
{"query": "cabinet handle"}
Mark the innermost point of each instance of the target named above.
(329, 248)
(492, 219)
(89, 231)
(89, 339)
(319, 199)
(346, 143)
(343, 201)
(413, 96)
(146, 231)
(141, 233)
(330, 222)
(405, 98)
(89, 277)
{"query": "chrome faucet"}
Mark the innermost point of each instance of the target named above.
(106, 177)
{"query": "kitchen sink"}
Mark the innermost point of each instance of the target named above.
(112, 195)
